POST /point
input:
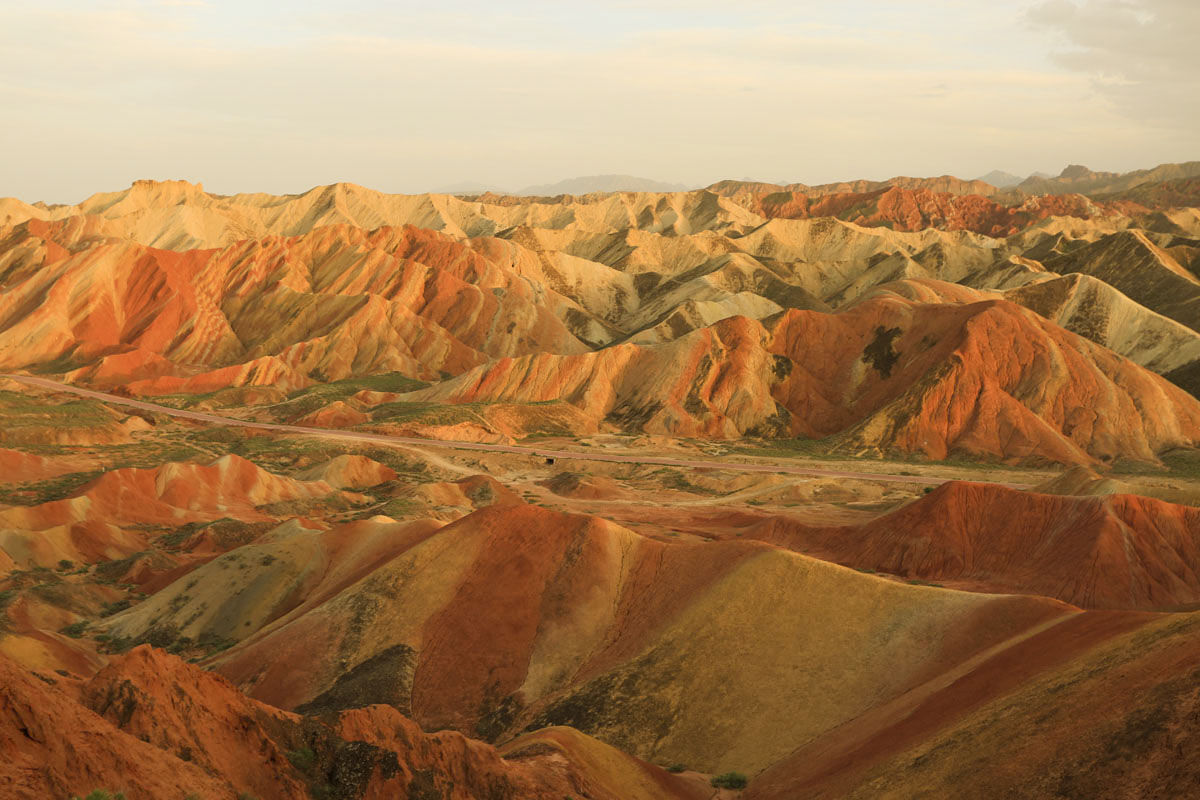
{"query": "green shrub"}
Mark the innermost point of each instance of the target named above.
(115, 607)
(75, 630)
(65, 564)
(302, 759)
(676, 768)
(101, 794)
(729, 780)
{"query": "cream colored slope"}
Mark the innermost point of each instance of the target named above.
(1095, 310)
(1112, 722)
(827, 256)
(349, 472)
(239, 592)
(694, 314)
(779, 651)
(317, 642)
(698, 654)
(723, 284)
(630, 250)
(178, 215)
(1134, 265)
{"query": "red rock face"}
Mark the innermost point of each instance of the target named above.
(1110, 552)
(151, 725)
(335, 302)
(986, 378)
(916, 209)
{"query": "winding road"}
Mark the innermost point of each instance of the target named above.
(536, 452)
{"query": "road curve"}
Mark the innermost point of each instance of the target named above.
(537, 452)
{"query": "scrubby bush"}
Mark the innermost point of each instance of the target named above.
(676, 768)
(729, 780)
(75, 630)
(115, 607)
(302, 759)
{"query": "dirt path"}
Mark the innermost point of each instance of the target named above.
(535, 452)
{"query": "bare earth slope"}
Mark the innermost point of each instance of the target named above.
(151, 725)
(984, 378)
(353, 580)
(1111, 551)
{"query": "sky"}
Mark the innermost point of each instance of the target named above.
(246, 95)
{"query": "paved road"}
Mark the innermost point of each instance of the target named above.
(537, 452)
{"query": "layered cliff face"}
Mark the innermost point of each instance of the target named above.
(885, 375)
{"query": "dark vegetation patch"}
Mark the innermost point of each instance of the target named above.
(384, 678)
(305, 401)
(21, 411)
(1182, 462)
(778, 424)
(36, 492)
(1143, 748)
(781, 367)
(729, 780)
(645, 282)
(412, 412)
(497, 714)
(226, 533)
(633, 418)
(624, 708)
(693, 403)
(112, 571)
(881, 353)
(672, 478)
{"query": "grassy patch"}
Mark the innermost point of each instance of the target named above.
(76, 629)
(1183, 462)
(306, 401)
(302, 759)
(729, 780)
(37, 492)
(674, 479)
(426, 413)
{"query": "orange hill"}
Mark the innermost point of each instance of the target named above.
(1115, 551)
(152, 726)
(986, 378)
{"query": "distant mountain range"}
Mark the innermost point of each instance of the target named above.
(1074, 179)
(1005, 180)
(586, 184)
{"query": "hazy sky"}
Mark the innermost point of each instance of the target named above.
(279, 97)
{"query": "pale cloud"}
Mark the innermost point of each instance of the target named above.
(1141, 54)
(406, 98)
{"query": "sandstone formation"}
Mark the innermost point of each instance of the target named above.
(1111, 551)
(736, 537)
(150, 725)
